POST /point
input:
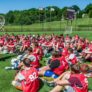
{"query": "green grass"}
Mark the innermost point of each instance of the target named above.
(6, 77)
(55, 25)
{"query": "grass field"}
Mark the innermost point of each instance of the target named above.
(7, 76)
(55, 25)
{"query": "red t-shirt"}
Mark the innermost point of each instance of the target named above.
(72, 58)
(11, 44)
(79, 82)
(65, 52)
(90, 47)
(1, 41)
(30, 83)
(64, 62)
(35, 60)
(61, 68)
(26, 43)
(38, 51)
(76, 37)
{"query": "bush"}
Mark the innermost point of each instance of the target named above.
(90, 14)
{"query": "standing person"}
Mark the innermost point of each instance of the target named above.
(27, 79)
(73, 81)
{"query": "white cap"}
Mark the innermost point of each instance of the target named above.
(32, 57)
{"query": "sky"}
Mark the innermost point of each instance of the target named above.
(7, 5)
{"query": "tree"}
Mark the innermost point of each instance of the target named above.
(10, 17)
(25, 18)
(64, 12)
(79, 15)
(90, 14)
(88, 8)
(76, 8)
(17, 15)
(54, 11)
(50, 13)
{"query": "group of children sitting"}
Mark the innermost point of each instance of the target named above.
(64, 59)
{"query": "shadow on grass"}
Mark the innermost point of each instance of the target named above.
(6, 56)
(41, 84)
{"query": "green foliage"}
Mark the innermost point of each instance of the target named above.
(33, 15)
(79, 15)
(88, 8)
(76, 8)
(10, 17)
(64, 12)
(90, 14)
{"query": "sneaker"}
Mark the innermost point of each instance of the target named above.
(9, 68)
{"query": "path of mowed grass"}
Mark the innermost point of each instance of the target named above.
(7, 76)
(53, 24)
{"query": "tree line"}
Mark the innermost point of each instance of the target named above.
(47, 14)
